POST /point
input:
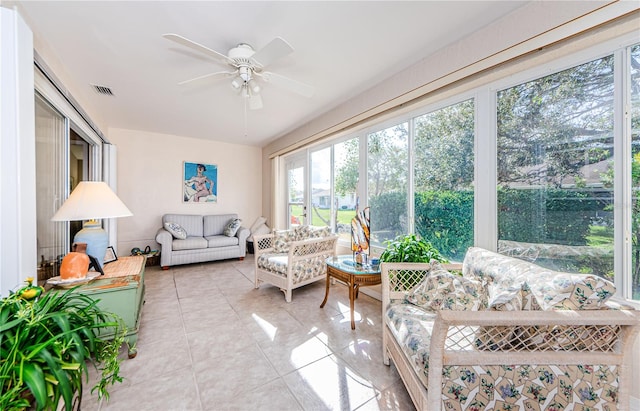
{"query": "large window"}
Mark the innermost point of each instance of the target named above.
(555, 169)
(542, 165)
(388, 172)
(334, 182)
(443, 178)
(346, 166)
(321, 187)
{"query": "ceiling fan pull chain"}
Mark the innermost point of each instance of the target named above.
(245, 117)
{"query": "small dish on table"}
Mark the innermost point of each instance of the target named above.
(60, 283)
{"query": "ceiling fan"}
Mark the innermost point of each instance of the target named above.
(247, 67)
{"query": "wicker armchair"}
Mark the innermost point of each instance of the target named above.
(293, 258)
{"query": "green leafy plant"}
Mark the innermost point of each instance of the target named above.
(46, 344)
(410, 249)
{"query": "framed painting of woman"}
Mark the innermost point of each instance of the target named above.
(200, 183)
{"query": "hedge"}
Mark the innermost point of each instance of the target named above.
(445, 218)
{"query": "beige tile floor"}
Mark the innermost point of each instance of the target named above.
(209, 341)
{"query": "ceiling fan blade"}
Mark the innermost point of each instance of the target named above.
(208, 76)
(289, 83)
(255, 102)
(276, 49)
(198, 47)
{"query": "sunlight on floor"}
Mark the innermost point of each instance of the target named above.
(337, 385)
(266, 326)
(312, 348)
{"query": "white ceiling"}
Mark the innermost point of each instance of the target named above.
(340, 47)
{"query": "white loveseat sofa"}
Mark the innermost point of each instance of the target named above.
(205, 240)
(292, 258)
(507, 335)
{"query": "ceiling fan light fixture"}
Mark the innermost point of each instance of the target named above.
(237, 82)
(254, 86)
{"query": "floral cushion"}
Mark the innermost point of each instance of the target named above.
(542, 288)
(283, 238)
(281, 241)
(566, 291)
(530, 387)
(509, 299)
(301, 270)
(319, 232)
(441, 290)
(301, 232)
(411, 327)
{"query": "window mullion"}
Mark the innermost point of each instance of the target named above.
(622, 173)
(485, 171)
(410, 177)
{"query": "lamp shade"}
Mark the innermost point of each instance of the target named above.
(91, 200)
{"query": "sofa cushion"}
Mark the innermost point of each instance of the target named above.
(176, 230)
(190, 243)
(542, 288)
(214, 224)
(442, 290)
(191, 223)
(221, 241)
(232, 227)
(319, 232)
(412, 327)
(567, 291)
(301, 232)
(500, 337)
(281, 240)
(301, 270)
(276, 262)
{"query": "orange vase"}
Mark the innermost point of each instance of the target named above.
(75, 265)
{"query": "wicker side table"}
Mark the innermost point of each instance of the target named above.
(342, 268)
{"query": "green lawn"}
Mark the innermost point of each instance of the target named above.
(318, 215)
(600, 236)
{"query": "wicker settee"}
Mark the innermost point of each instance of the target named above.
(508, 334)
(289, 259)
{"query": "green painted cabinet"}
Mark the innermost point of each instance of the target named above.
(121, 291)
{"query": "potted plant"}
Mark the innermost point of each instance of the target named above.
(46, 342)
(410, 249)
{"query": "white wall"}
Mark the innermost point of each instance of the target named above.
(17, 153)
(150, 181)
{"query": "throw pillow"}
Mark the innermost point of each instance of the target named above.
(263, 229)
(281, 240)
(232, 227)
(301, 232)
(493, 338)
(569, 291)
(319, 232)
(260, 221)
(441, 290)
(176, 230)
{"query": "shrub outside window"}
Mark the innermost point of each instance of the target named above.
(443, 178)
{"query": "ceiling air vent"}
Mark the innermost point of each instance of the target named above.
(102, 90)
